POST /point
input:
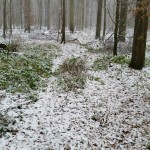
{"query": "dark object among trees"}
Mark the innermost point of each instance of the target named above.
(123, 20)
(104, 25)
(99, 18)
(4, 19)
(116, 28)
(140, 35)
(27, 15)
(71, 25)
(63, 21)
(3, 46)
(10, 17)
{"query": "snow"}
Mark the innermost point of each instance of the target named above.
(120, 102)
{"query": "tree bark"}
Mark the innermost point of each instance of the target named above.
(104, 26)
(10, 19)
(123, 21)
(99, 18)
(40, 13)
(63, 21)
(82, 17)
(21, 12)
(4, 19)
(116, 28)
(140, 35)
(48, 14)
(71, 25)
(27, 16)
(87, 14)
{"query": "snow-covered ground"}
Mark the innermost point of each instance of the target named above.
(110, 114)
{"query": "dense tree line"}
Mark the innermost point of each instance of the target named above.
(83, 13)
(74, 15)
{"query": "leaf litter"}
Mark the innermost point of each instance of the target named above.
(110, 114)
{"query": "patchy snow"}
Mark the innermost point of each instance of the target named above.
(119, 104)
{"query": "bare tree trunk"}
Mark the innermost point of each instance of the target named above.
(123, 20)
(10, 19)
(140, 35)
(104, 26)
(87, 12)
(63, 21)
(82, 17)
(48, 14)
(71, 25)
(79, 12)
(99, 18)
(116, 28)
(40, 12)
(27, 14)
(4, 19)
(21, 12)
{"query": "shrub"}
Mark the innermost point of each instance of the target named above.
(101, 63)
(91, 49)
(13, 47)
(4, 124)
(73, 66)
(72, 74)
(15, 44)
(53, 46)
(22, 73)
(147, 62)
(120, 60)
(72, 83)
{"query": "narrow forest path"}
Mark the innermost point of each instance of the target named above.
(111, 112)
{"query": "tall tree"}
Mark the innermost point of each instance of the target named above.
(40, 12)
(21, 12)
(86, 13)
(79, 14)
(116, 28)
(27, 14)
(82, 16)
(71, 24)
(10, 19)
(4, 19)
(104, 26)
(140, 34)
(123, 20)
(48, 14)
(99, 18)
(63, 21)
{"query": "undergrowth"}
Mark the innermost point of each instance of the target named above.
(101, 63)
(53, 46)
(92, 78)
(20, 73)
(5, 121)
(148, 48)
(147, 62)
(43, 50)
(91, 49)
(122, 59)
(72, 74)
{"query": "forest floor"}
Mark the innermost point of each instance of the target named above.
(110, 110)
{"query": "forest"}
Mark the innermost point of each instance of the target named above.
(74, 75)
